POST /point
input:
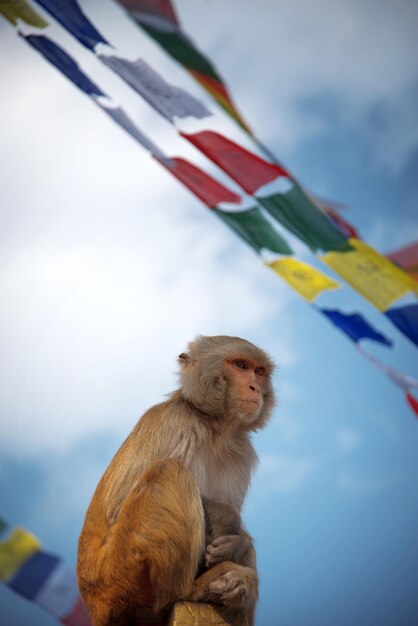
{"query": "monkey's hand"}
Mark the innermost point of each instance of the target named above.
(237, 589)
(228, 548)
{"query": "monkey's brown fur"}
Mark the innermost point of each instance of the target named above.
(164, 523)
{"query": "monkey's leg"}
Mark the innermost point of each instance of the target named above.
(156, 542)
(232, 585)
(162, 521)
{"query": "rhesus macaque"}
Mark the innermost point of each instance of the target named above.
(164, 523)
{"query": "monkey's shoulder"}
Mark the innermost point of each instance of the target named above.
(170, 415)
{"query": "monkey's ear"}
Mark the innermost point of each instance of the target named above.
(185, 360)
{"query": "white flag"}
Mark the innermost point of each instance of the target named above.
(60, 591)
(402, 380)
(167, 99)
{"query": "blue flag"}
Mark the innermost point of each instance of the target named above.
(39, 576)
(31, 577)
(64, 63)
(72, 18)
(355, 326)
(406, 319)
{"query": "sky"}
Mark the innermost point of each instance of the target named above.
(108, 267)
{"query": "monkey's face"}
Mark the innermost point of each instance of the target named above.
(229, 379)
(246, 382)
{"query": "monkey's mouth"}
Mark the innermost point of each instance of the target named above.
(248, 400)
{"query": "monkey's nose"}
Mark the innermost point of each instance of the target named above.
(253, 388)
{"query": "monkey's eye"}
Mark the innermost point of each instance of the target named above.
(241, 364)
(260, 371)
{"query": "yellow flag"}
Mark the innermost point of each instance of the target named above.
(14, 10)
(15, 551)
(371, 274)
(306, 280)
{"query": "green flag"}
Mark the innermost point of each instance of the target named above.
(255, 230)
(158, 19)
(298, 214)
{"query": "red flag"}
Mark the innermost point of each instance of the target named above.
(156, 8)
(407, 258)
(247, 169)
(77, 616)
(206, 188)
(413, 403)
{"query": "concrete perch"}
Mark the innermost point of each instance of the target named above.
(197, 614)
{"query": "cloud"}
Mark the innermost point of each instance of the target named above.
(91, 339)
(108, 266)
(357, 58)
(348, 439)
(357, 482)
(284, 473)
(288, 428)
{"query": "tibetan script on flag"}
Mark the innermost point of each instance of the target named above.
(247, 169)
(306, 280)
(168, 100)
(370, 273)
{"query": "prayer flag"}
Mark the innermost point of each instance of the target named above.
(298, 214)
(72, 18)
(253, 227)
(77, 616)
(306, 280)
(405, 319)
(370, 273)
(332, 209)
(159, 20)
(40, 577)
(179, 46)
(355, 326)
(15, 550)
(345, 227)
(14, 10)
(119, 116)
(31, 577)
(158, 9)
(167, 99)
(401, 380)
(406, 383)
(206, 188)
(413, 402)
(246, 168)
(64, 63)
(4, 527)
(60, 592)
(407, 259)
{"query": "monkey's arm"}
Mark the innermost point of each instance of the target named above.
(231, 576)
(226, 538)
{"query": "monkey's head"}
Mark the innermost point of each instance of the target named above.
(228, 378)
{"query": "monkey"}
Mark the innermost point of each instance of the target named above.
(164, 523)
